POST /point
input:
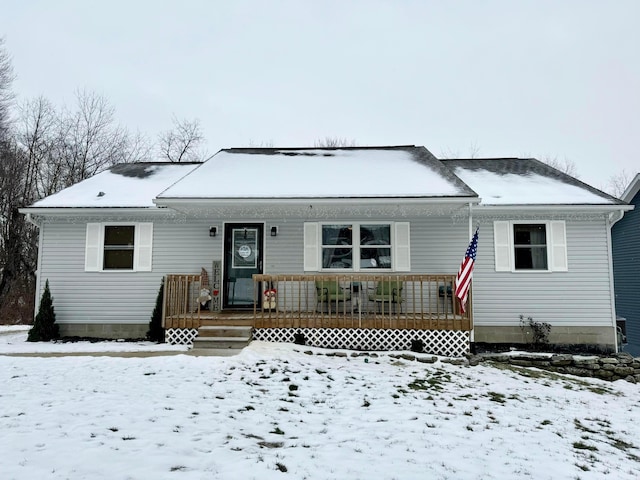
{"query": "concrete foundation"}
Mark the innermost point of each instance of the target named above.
(103, 330)
(600, 336)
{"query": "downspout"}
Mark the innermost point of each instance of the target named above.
(611, 219)
(38, 225)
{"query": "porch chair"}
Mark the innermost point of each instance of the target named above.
(328, 291)
(388, 292)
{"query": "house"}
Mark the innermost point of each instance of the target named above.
(626, 265)
(355, 247)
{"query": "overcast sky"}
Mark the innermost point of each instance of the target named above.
(498, 78)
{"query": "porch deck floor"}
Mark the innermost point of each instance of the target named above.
(319, 320)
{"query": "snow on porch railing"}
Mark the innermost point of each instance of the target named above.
(415, 301)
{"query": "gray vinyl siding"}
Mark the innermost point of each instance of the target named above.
(626, 267)
(184, 246)
(580, 296)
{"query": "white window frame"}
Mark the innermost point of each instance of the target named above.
(504, 245)
(399, 246)
(142, 247)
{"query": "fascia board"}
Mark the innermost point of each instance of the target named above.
(548, 208)
(170, 202)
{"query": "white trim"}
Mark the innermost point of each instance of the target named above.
(355, 246)
(504, 246)
(94, 247)
(401, 258)
(557, 256)
(612, 295)
(547, 209)
(311, 248)
(142, 247)
(370, 200)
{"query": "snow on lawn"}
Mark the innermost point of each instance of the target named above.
(13, 340)
(280, 411)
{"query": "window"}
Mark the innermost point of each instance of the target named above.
(356, 246)
(118, 247)
(530, 246)
(375, 246)
(337, 246)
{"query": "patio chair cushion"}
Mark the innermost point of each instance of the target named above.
(330, 291)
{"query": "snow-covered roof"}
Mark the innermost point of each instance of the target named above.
(514, 181)
(352, 172)
(124, 185)
(632, 189)
(405, 171)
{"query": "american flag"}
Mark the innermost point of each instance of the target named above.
(463, 280)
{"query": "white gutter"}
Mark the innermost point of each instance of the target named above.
(169, 202)
(30, 219)
(559, 208)
(78, 211)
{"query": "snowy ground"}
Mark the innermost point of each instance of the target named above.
(280, 411)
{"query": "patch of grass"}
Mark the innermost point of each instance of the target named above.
(277, 431)
(271, 444)
(281, 467)
(580, 426)
(178, 468)
(633, 457)
(621, 444)
(496, 397)
(584, 468)
(128, 438)
(113, 429)
(546, 422)
(583, 446)
(293, 388)
(366, 403)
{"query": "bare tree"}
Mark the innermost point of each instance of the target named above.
(566, 166)
(474, 152)
(17, 239)
(618, 183)
(334, 142)
(183, 143)
(6, 94)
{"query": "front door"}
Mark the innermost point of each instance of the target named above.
(243, 244)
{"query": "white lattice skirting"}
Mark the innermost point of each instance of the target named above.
(180, 336)
(450, 343)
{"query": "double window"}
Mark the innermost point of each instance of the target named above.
(357, 246)
(118, 247)
(530, 246)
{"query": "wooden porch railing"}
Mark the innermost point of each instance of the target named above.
(413, 301)
(181, 308)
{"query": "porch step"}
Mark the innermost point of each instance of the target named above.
(222, 337)
(231, 343)
(224, 331)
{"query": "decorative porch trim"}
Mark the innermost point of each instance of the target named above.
(450, 343)
(180, 336)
